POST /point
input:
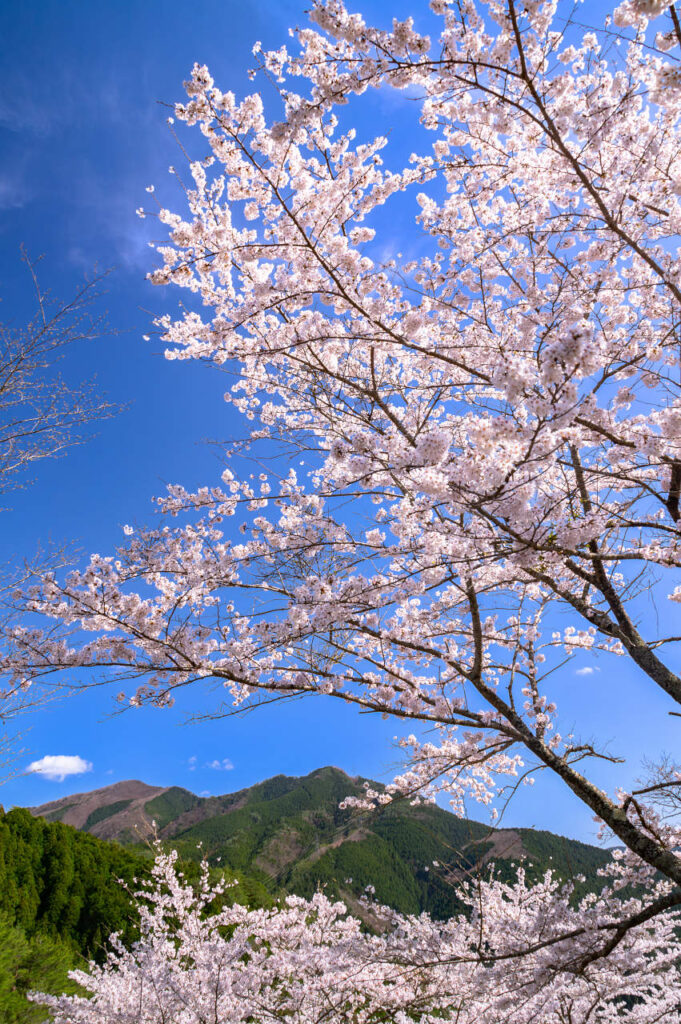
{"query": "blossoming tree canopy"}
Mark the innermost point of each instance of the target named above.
(488, 426)
(308, 962)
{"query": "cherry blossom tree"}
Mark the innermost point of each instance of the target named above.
(307, 962)
(488, 426)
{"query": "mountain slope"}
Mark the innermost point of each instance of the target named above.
(107, 813)
(290, 835)
(63, 892)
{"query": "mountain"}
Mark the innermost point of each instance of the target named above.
(288, 834)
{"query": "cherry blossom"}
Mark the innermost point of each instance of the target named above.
(311, 961)
(485, 431)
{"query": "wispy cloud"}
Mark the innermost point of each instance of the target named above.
(225, 765)
(586, 670)
(14, 192)
(58, 766)
(192, 763)
(24, 112)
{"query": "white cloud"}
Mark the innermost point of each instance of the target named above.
(192, 764)
(221, 766)
(58, 766)
(586, 670)
(204, 792)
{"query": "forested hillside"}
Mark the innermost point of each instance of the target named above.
(31, 963)
(64, 883)
(60, 899)
(291, 833)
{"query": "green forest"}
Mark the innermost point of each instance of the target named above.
(291, 835)
(60, 899)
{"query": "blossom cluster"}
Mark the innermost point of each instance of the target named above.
(310, 961)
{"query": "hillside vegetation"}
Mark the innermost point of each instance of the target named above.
(60, 899)
(290, 833)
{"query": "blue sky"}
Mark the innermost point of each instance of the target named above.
(81, 136)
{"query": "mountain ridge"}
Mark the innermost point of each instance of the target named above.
(290, 834)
